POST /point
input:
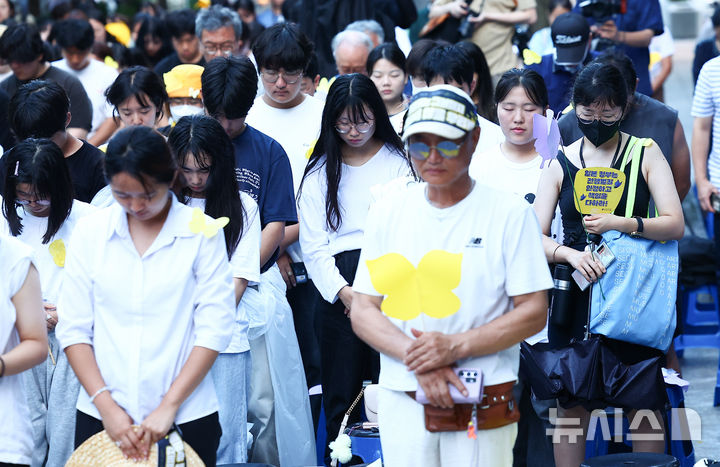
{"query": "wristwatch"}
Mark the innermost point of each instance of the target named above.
(638, 233)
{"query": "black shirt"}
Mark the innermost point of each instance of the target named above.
(80, 106)
(171, 61)
(86, 171)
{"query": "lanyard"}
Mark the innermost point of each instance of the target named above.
(614, 159)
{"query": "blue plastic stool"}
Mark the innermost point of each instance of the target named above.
(365, 443)
(701, 325)
(681, 450)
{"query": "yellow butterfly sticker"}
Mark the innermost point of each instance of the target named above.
(310, 150)
(530, 57)
(324, 84)
(409, 291)
(57, 251)
(200, 223)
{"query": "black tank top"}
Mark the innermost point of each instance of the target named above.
(574, 235)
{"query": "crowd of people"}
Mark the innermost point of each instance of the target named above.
(229, 218)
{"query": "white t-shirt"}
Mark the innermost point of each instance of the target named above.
(498, 240)
(396, 120)
(495, 170)
(706, 103)
(296, 129)
(95, 78)
(318, 242)
(49, 258)
(490, 135)
(16, 429)
(244, 263)
(660, 47)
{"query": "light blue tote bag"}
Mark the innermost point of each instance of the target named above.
(634, 301)
(639, 290)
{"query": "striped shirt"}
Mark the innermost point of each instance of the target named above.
(706, 103)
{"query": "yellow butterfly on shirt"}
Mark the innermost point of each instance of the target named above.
(409, 291)
(200, 223)
(57, 251)
(530, 57)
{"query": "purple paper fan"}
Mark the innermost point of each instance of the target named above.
(546, 142)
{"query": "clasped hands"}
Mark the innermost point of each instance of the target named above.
(135, 442)
(432, 356)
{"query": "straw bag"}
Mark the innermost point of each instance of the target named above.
(100, 451)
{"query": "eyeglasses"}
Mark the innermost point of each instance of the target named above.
(39, 202)
(362, 127)
(226, 48)
(421, 151)
(608, 120)
(290, 77)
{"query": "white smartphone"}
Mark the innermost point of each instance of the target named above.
(606, 256)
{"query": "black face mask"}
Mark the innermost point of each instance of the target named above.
(598, 133)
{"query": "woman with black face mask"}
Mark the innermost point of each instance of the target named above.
(600, 97)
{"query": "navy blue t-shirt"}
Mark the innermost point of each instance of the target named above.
(263, 171)
(641, 14)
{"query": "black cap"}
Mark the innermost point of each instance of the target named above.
(570, 33)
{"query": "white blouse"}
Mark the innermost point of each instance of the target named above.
(144, 314)
(49, 258)
(245, 264)
(319, 243)
(16, 440)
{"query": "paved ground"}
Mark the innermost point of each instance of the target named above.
(700, 366)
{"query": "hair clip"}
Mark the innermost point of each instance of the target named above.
(17, 166)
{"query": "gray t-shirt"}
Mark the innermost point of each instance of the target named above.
(80, 106)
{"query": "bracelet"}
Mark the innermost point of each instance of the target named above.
(2, 369)
(555, 251)
(99, 391)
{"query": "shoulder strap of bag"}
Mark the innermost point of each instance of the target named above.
(635, 147)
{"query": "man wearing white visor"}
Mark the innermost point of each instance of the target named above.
(452, 276)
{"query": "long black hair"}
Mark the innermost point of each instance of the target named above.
(40, 163)
(483, 92)
(358, 94)
(203, 138)
(156, 28)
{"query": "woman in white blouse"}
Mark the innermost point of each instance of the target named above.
(23, 344)
(205, 155)
(146, 306)
(357, 149)
(39, 209)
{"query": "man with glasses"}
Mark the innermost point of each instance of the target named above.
(291, 118)
(350, 50)
(469, 257)
(220, 32)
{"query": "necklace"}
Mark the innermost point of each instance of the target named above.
(614, 159)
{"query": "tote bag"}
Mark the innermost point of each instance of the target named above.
(634, 300)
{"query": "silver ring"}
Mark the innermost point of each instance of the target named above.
(48, 316)
(118, 444)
